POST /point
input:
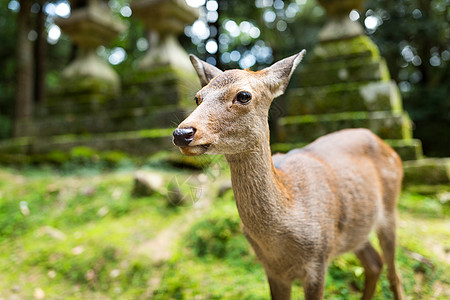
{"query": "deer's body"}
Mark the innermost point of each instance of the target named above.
(305, 207)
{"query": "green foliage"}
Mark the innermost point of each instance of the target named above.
(83, 236)
(413, 37)
(426, 206)
(215, 234)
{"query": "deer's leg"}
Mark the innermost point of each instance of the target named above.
(280, 289)
(387, 236)
(373, 265)
(314, 283)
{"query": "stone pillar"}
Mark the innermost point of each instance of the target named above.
(345, 83)
(165, 77)
(89, 26)
(165, 21)
(339, 26)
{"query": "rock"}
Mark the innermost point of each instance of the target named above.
(224, 187)
(427, 171)
(175, 196)
(88, 191)
(77, 250)
(146, 183)
(39, 293)
(53, 233)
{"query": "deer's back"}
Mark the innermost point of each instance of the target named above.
(351, 176)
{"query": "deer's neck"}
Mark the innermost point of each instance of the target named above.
(259, 192)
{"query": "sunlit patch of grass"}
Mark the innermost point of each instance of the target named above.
(77, 232)
(424, 206)
(214, 261)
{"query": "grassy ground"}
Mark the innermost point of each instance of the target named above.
(81, 234)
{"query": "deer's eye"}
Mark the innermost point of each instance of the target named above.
(196, 100)
(244, 97)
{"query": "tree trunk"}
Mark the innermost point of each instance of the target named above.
(40, 55)
(24, 69)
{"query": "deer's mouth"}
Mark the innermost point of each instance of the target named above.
(195, 150)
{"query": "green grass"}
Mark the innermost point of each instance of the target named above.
(81, 234)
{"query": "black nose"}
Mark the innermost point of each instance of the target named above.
(183, 136)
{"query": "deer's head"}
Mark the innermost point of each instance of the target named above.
(233, 107)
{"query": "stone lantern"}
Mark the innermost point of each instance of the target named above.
(339, 25)
(165, 20)
(89, 26)
(345, 83)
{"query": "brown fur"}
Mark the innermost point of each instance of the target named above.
(305, 207)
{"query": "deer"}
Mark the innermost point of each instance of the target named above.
(301, 209)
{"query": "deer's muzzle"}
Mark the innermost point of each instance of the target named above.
(183, 136)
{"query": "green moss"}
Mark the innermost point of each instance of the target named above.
(57, 157)
(15, 145)
(212, 234)
(140, 143)
(344, 97)
(408, 149)
(307, 128)
(352, 70)
(360, 46)
(89, 85)
(384, 71)
(285, 147)
(182, 84)
(113, 157)
(325, 117)
(428, 206)
(158, 73)
(406, 126)
(427, 171)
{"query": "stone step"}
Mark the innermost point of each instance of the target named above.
(344, 97)
(434, 171)
(406, 149)
(134, 97)
(306, 128)
(82, 104)
(344, 71)
(360, 46)
(103, 121)
(140, 142)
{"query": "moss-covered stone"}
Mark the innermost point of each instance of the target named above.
(140, 143)
(105, 121)
(360, 46)
(344, 97)
(91, 87)
(164, 79)
(406, 149)
(19, 145)
(86, 112)
(427, 171)
(351, 70)
(309, 127)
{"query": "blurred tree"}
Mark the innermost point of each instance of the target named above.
(413, 36)
(234, 34)
(40, 54)
(23, 96)
(8, 27)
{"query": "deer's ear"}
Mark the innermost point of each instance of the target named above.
(277, 76)
(205, 71)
